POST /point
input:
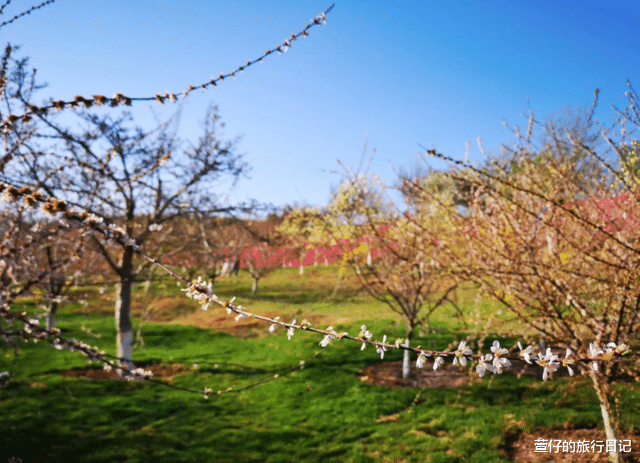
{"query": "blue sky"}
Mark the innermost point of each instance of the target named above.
(435, 73)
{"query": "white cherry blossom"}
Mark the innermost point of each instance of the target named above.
(549, 362)
(594, 352)
(381, 348)
(499, 362)
(422, 358)
(364, 334)
(482, 366)
(290, 330)
(331, 334)
(460, 354)
(526, 353)
(273, 326)
(567, 360)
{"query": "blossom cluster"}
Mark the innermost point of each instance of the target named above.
(112, 233)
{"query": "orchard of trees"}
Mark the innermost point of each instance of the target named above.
(548, 229)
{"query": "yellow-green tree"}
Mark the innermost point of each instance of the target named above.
(550, 243)
(404, 275)
(301, 230)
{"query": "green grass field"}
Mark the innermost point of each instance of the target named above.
(322, 413)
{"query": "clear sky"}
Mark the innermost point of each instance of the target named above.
(435, 73)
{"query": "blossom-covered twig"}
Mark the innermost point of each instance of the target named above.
(24, 13)
(499, 358)
(119, 99)
(33, 330)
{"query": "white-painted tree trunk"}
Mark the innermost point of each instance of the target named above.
(406, 358)
(124, 328)
(406, 362)
(124, 331)
(605, 410)
(51, 317)
(124, 339)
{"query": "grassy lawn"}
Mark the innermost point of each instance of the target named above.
(322, 413)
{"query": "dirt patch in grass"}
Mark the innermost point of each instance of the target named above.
(520, 446)
(447, 375)
(164, 371)
(219, 320)
(390, 374)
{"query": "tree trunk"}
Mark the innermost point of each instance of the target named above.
(369, 257)
(77, 275)
(145, 310)
(56, 284)
(2, 294)
(336, 287)
(406, 359)
(124, 329)
(254, 288)
(610, 425)
(302, 255)
(51, 315)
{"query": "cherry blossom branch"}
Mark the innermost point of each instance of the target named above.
(32, 330)
(24, 13)
(119, 99)
(499, 356)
